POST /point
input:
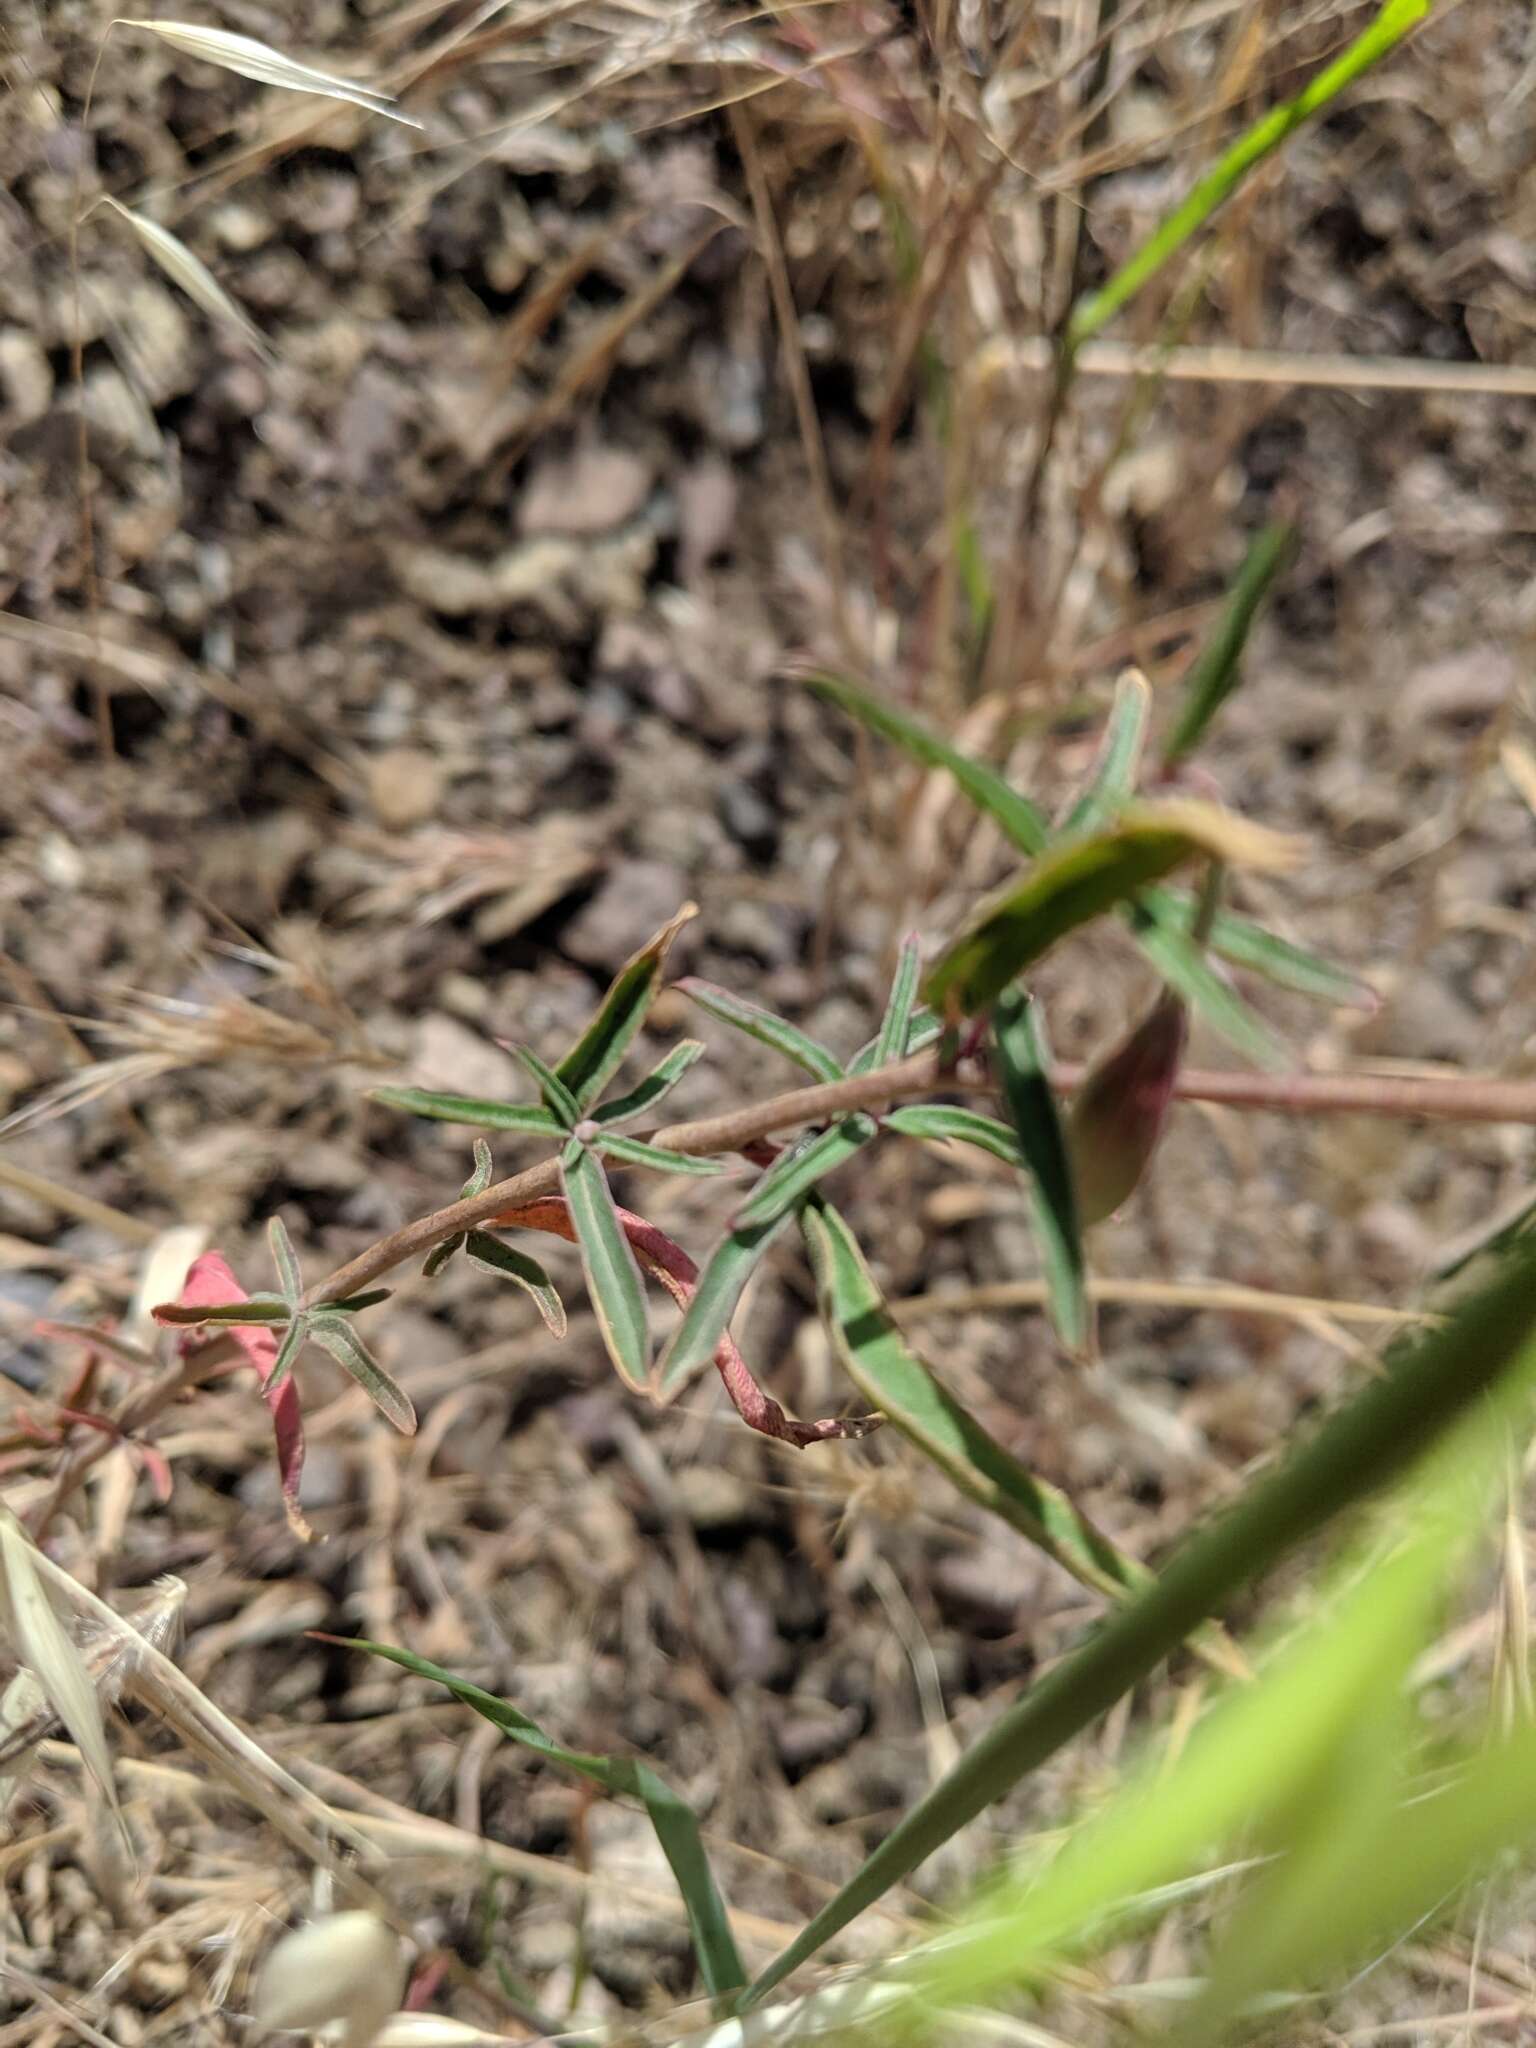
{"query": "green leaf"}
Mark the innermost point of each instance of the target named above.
(658, 1158)
(353, 1304)
(1014, 814)
(469, 1109)
(1022, 1063)
(923, 1029)
(480, 1179)
(892, 1377)
(1114, 772)
(677, 1830)
(257, 1308)
(294, 1339)
(891, 1043)
(938, 1123)
(764, 1026)
(791, 1178)
(1076, 880)
(492, 1256)
(558, 1099)
(596, 1055)
(1247, 944)
(336, 1335)
(1432, 1385)
(654, 1088)
(707, 1317)
(1182, 964)
(1393, 22)
(290, 1280)
(612, 1273)
(1217, 669)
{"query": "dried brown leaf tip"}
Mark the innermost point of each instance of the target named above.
(1118, 1113)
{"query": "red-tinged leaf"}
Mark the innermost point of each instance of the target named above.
(1118, 1113)
(211, 1280)
(155, 1465)
(666, 1261)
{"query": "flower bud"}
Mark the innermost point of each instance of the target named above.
(1117, 1116)
(347, 1967)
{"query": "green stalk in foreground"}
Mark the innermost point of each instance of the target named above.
(1354, 1453)
(1394, 21)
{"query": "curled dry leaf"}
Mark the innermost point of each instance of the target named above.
(347, 1968)
(1118, 1114)
(42, 1644)
(194, 278)
(253, 59)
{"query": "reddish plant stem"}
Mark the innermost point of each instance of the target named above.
(1469, 1099)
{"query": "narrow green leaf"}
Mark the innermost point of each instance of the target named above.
(290, 1280)
(892, 1040)
(1429, 1388)
(658, 1158)
(294, 1339)
(653, 1089)
(1182, 964)
(469, 1109)
(1014, 814)
(439, 1256)
(336, 1335)
(892, 1377)
(1247, 944)
(764, 1026)
(1022, 1062)
(258, 1308)
(492, 1256)
(353, 1304)
(596, 1055)
(1115, 771)
(1392, 23)
(480, 1179)
(923, 1029)
(558, 1099)
(677, 1830)
(1217, 669)
(1076, 880)
(938, 1123)
(707, 1317)
(612, 1274)
(791, 1178)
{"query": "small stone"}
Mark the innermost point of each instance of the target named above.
(636, 900)
(447, 1055)
(405, 787)
(590, 491)
(26, 381)
(714, 1499)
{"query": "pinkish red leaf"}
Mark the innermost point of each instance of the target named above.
(666, 1261)
(212, 1280)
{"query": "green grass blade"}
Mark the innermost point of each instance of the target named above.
(1114, 772)
(791, 1178)
(1378, 1436)
(1022, 1064)
(895, 1025)
(1246, 944)
(612, 1273)
(335, 1334)
(469, 1109)
(1185, 969)
(677, 1829)
(1392, 23)
(1076, 880)
(653, 1089)
(657, 1158)
(505, 1260)
(1218, 667)
(937, 1122)
(1015, 814)
(596, 1055)
(764, 1026)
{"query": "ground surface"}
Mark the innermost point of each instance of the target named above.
(443, 661)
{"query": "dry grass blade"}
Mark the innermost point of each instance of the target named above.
(42, 1644)
(253, 59)
(194, 277)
